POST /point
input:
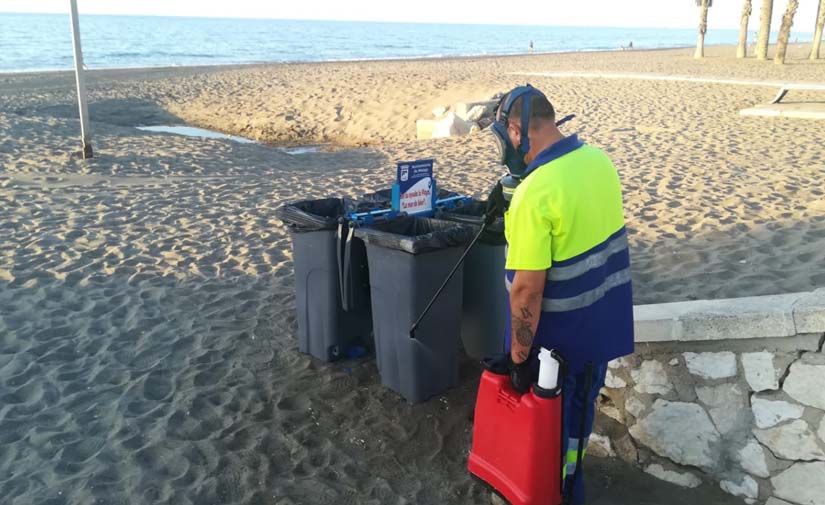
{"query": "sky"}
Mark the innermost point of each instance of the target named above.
(621, 13)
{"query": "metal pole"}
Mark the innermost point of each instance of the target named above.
(816, 42)
(85, 131)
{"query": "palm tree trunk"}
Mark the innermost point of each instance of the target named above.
(820, 24)
(785, 32)
(764, 30)
(742, 50)
(703, 28)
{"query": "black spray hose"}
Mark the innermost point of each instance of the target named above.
(565, 119)
(447, 280)
(588, 385)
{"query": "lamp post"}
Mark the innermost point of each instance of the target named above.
(85, 132)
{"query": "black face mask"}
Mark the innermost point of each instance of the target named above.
(513, 156)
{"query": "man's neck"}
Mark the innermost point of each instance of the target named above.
(543, 139)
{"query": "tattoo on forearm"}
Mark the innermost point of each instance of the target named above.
(524, 333)
(524, 320)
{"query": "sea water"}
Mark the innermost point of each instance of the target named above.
(43, 41)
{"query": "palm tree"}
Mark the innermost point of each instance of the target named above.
(742, 50)
(764, 30)
(703, 28)
(785, 32)
(820, 24)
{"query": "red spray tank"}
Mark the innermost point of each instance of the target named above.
(517, 441)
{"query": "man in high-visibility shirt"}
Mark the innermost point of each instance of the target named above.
(568, 265)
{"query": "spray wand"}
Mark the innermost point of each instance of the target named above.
(449, 277)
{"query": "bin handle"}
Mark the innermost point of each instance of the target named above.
(346, 288)
(338, 238)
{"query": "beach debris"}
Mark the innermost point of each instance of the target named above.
(473, 111)
(463, 118)
(424, 128)
(440, 111)
(451, 126)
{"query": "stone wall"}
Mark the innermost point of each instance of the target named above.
(731, 391)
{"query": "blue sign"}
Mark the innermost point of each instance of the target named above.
(414, 191)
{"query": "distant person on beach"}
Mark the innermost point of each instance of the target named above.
(567, 265)
(530, 48)
(630, 46)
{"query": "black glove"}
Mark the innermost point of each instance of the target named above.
(521, 377)
(495, 204)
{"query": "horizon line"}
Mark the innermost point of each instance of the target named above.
(455, 23)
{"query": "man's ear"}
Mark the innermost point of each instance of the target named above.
(516, 133)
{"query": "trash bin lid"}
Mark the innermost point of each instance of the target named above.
(416, 235)
(472, 213)
(314, 215)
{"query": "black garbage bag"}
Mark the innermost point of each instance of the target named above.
(472, 213)
(416, 235)
(375, 201)
(314, 215)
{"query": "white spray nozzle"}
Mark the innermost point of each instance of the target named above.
(548, 370)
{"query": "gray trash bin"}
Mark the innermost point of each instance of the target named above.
(409, 258)
(331, 279)
(485, 297)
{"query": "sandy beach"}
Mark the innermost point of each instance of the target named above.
(147, 327)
